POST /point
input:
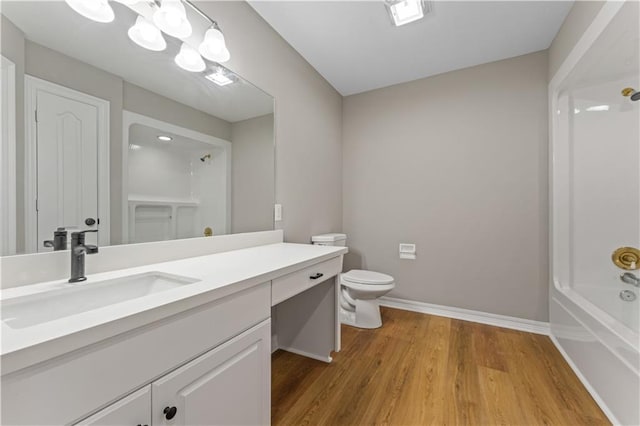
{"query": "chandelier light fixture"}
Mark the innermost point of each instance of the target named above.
(169, 17)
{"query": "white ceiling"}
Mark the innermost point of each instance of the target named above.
(106, 46)
(356, 48)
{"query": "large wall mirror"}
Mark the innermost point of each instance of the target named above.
(99, 133)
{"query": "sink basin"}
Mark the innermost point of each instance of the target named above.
(27, 311)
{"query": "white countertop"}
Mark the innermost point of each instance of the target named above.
(219, 275)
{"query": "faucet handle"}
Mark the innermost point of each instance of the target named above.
(77, 239)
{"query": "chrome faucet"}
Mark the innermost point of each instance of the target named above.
(630, 278)
(78, 251)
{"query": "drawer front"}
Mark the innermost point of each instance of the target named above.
(134, 409)
(296, 282)
(65, 389)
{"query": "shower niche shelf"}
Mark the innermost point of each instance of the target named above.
(159, 219)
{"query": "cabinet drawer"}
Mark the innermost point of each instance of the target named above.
(134, 409)
(296, 282)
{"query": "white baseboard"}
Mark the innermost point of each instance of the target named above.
(326, 359)
(536, 327)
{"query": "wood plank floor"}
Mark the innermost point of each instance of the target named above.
(427, 370)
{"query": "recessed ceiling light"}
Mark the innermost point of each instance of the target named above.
(405, 11)
(165, 138)
(598, 108)
(219, 78)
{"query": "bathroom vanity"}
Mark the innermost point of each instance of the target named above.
(188, 342)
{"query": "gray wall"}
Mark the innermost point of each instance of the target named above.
(252, 164)
(308, 120)
(577, 21)
(456, 163)
(142, 101)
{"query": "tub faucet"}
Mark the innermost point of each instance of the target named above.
(78, 251)
(630, 278)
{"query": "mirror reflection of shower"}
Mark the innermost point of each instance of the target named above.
(178, 186)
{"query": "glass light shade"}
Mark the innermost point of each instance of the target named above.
(147, 35)
(189, 59)
(213, 46)
(171, 18)
(96, 10)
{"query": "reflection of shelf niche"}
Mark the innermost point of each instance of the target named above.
(160, 219)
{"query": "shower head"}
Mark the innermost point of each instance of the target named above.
(631, 93)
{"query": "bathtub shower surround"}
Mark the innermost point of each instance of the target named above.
(595, 319)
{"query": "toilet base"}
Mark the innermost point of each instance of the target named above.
(366, 315)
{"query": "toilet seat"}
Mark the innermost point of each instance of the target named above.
(359, 276)
(368, 287)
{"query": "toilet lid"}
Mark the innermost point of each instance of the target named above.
(359, 276)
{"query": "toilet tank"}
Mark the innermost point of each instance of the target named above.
(329, 240)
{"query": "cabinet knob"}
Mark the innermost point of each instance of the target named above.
(316, 276)
(170, 412)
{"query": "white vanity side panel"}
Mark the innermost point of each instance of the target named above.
(70, 387)
(307, 323)
(33, 268)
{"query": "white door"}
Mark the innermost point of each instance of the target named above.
(229, 385)
(133, 410)
(67, 137)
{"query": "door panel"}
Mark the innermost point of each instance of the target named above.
(67, 163)
(229, 385)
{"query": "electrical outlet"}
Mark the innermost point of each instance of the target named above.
(277, 212)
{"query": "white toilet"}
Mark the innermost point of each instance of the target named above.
(359, 290)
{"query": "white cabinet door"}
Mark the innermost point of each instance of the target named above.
(134, 410)
(229, 385)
